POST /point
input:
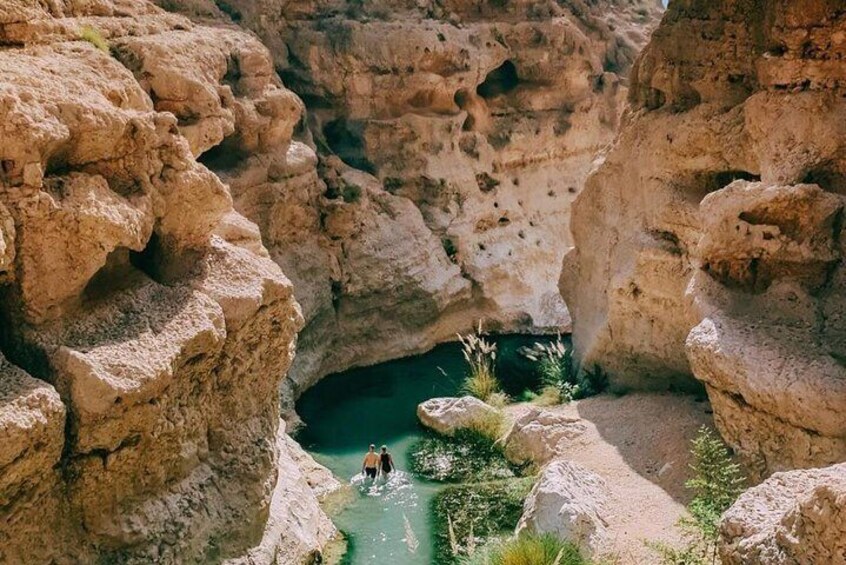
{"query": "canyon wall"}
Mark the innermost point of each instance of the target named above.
(144, 329)
(442, 146)
(709, 241)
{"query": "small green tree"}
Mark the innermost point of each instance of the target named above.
(717, 482)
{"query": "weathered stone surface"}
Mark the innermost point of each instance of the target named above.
(567, 501)
(731, 228)
(297, 529)
(32, 422)
(793, 518)
(129, 283)
(452, 140)
(537, 435)
(447, 415)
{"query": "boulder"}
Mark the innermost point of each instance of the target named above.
(792, 518)
(447, 415)
(538, 434)
(568, 501)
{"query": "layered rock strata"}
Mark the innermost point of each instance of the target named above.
(451, 139)
(144, 328)
(709, 241)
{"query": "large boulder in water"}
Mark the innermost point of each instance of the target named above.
(446, 415)
(793, 517)
(567, 501)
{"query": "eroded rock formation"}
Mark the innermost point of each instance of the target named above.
(452, 138)
(145, 330)
(791, 518)
(710, 242)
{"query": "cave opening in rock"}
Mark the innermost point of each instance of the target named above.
(826, 179)
(224, 156)
(502, 80)
(343, 139)
(703, 183)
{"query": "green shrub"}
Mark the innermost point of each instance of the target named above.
(528, 550)
(717, 482)
(476, 514)
(94, 37)
(555, 365)
(593, 382)
(480, 355)
(559, 376)
(351, 193)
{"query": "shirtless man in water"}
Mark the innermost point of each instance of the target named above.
(371, 463)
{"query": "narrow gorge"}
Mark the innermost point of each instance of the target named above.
(208, 206)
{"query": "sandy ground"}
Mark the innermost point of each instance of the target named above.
(639, 443)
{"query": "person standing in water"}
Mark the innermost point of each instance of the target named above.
(386, 462)
(370, 466)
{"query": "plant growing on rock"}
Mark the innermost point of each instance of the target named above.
(480, 355)
(717, 482)
(94, 37)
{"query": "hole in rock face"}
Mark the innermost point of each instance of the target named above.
(828, 180)
(162, 264)
(222, 157)
(347, 144)
(115, 275)
(233, 73)
(501, 80)
(706, 182)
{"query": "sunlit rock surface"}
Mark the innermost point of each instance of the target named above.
(793, 517)
(442, 147)
(145, 329)
(709, 241)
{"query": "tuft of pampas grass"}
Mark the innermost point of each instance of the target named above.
(480, 355)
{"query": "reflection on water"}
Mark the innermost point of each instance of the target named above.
(387, 522)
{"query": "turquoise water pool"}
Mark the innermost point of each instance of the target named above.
(344, 413)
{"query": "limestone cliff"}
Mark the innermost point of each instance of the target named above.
(144, 328)
(710, 242)
(442, 146)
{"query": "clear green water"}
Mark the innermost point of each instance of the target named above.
(344, 413)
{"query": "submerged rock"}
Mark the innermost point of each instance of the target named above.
(446, 415)
(568, 501)
(792, 518)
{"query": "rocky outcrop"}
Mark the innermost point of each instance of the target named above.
(568, 501)
(451, 139)
(446, 415)
(144, 327)
(792, 518)
(539, 435)
(719, 255)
